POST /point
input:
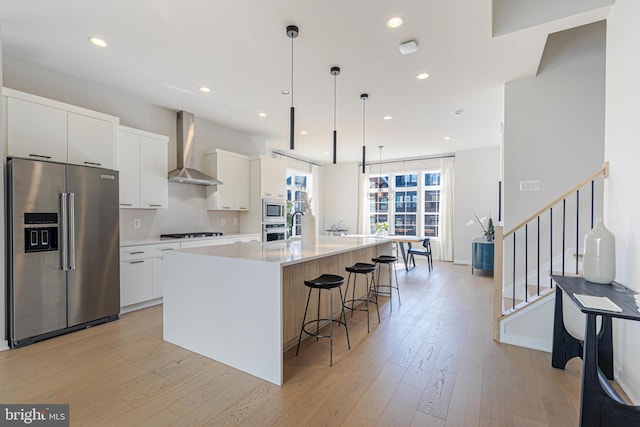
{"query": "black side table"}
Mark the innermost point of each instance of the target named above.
(600, 405)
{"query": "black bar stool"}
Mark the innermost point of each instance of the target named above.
(387, 260)
(366, 269)
(325, 281)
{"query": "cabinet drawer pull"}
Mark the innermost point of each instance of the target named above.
(166, 249)
(243, 208)
(136, 253)
(126, 204)
(40, 156)
(136, 262)
(226, 207)
(154, 205)
(93, 163)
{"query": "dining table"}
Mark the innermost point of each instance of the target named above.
(401, 240)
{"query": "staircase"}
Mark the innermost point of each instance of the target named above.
(548, 242)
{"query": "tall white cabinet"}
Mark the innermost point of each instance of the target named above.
(268, 180)
(234, 172)
(43, 129)
(142, 162)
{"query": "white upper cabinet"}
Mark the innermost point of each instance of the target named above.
(142, 162)
(154, 187)
(273, 177)
(91, 141)
(43, 129)
(234, 172)
(36, 131)
(129, 167)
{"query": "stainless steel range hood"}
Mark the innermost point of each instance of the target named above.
(185, 150)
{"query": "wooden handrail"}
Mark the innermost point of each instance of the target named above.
(604, 171)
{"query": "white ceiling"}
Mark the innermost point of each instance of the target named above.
(162, 51)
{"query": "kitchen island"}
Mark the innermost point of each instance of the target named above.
(242, 304)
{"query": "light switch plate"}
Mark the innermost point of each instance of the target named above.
(137, 223)
(223, 221)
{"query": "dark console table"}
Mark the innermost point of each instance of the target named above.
(600, 404)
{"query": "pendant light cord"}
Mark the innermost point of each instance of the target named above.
(292, 71)
(334, 101)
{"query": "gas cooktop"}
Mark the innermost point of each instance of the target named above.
(190, 235)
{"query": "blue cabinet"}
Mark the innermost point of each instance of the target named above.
(482, 258)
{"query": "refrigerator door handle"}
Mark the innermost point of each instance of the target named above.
(72, 231)
(64, 226)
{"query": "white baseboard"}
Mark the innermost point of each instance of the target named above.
(628, 389)
(140, 306)
(4, 345)
(527, 342)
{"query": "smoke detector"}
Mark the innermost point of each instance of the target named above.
(408, 47)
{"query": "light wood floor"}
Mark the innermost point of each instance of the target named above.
(431, 362)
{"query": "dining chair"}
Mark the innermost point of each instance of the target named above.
(425, 250)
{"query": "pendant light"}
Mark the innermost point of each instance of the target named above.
(364, 98)
(335, 71)
(292, 33)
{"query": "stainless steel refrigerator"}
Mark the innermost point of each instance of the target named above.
(63, 248)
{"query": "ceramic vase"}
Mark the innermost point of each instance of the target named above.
(599, 262)
(308, 232)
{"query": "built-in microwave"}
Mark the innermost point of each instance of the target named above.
(274, 232)
(273, 211)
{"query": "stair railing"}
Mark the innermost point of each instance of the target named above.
(541, 244)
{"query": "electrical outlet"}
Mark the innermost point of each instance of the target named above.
(223, 221)
(137, 223)
(235, 221)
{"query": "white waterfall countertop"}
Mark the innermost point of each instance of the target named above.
(287, 252)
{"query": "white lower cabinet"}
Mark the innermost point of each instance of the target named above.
(245, 238)
(141, 275)
(136, 281)
(203, 242)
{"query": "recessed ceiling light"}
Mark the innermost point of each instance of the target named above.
(388, 117)
(422, 76)
(326, 153)
(262, 114)
(303, 132)
(458, 112)
(98, 41)
(395, 22)
(204, 89)
(285, 91)
(447, 138)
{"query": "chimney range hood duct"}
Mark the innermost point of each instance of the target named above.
(185, 150)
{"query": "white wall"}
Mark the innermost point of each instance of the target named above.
(476, 191)
(509, 15)
(622, 149)
(340, 196)
(554, 123)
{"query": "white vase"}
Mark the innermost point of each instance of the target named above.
(599, 261)
(308, 232)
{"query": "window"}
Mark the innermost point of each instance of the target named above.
(431, 204)
(378, 200)
(411, 206)
(298, 192)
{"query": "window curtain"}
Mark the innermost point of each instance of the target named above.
(363, 190)
(447, 166)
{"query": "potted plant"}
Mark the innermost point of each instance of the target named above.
(488, 230)
(381, 228)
